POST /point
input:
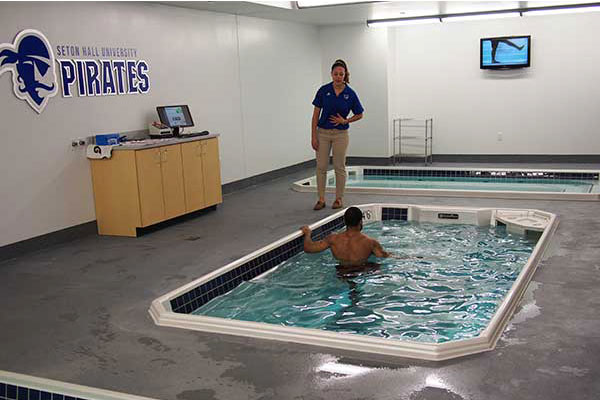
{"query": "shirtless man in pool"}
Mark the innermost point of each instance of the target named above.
(350, 248)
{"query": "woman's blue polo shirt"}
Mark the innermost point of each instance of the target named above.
(330, 104)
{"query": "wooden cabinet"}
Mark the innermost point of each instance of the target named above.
(202, 175)
(193, 175)
(172, 180)
(138, 188)
(149, 182)
(160, 182)
(211, 168)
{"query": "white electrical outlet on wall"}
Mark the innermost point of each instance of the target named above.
(499, 136)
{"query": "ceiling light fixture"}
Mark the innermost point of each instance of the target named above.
(404, 21)
(289, 5)
(327, 3)
(480, 17)
(487, 14)
(582, 9)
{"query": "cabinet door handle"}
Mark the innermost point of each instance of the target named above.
(163, 157)
(199, 150)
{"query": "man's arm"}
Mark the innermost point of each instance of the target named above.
(379, 251)
(313, 247)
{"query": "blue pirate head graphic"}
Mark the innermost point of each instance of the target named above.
(31, 61)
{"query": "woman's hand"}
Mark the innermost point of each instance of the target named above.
(315, 143)
(337, 120)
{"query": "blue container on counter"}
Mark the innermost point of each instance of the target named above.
(108, 139)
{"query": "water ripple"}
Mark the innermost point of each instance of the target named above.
(447, 286)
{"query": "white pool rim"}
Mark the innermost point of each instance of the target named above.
(64, 388)
(163, 315)
(309, 185)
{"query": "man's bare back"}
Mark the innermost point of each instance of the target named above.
(354, 248)
(350, 247)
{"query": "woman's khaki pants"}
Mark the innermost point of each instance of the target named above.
(338, 140)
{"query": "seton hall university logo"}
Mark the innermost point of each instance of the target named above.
(36, 73)
(31, 61)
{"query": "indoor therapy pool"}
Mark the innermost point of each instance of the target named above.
(455, 279)
(467, 182)
(448, 293)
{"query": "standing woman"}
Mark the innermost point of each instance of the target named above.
(330, 124)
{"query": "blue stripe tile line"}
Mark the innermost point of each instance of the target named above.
(388, 213)
(14, 392)
(499, 175)
(197, 297)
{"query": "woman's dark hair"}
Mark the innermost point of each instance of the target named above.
(342, 63)
(353, 216)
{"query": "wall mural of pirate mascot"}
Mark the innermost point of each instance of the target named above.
(31, 61)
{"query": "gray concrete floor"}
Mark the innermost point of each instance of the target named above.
(79, 313)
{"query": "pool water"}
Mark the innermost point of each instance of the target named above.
(447, 286)
(457, 183)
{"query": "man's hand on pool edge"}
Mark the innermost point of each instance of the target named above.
(305, 230)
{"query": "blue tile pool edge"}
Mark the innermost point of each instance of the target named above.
(253, 265)
(480, 173)
(163, 315)
(15, 386)
(500, 174)
(261, 263)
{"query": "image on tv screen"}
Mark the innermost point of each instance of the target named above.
(505, 52)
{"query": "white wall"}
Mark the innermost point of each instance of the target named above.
(253, 80)
(549, 108)
(366, 52)
(198, 58)
(280, 64)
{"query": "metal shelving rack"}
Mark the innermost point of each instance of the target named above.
(412, 132)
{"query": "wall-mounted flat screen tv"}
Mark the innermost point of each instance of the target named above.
(505, 52)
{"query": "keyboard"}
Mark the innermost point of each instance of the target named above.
(193, 134)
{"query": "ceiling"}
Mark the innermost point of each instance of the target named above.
(357, 13)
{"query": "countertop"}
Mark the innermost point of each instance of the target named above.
(148, 143)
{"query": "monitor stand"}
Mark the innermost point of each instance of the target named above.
(175, 130)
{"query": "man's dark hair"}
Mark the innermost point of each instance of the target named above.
(353, 216)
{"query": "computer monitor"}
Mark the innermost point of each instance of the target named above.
(175, 117)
